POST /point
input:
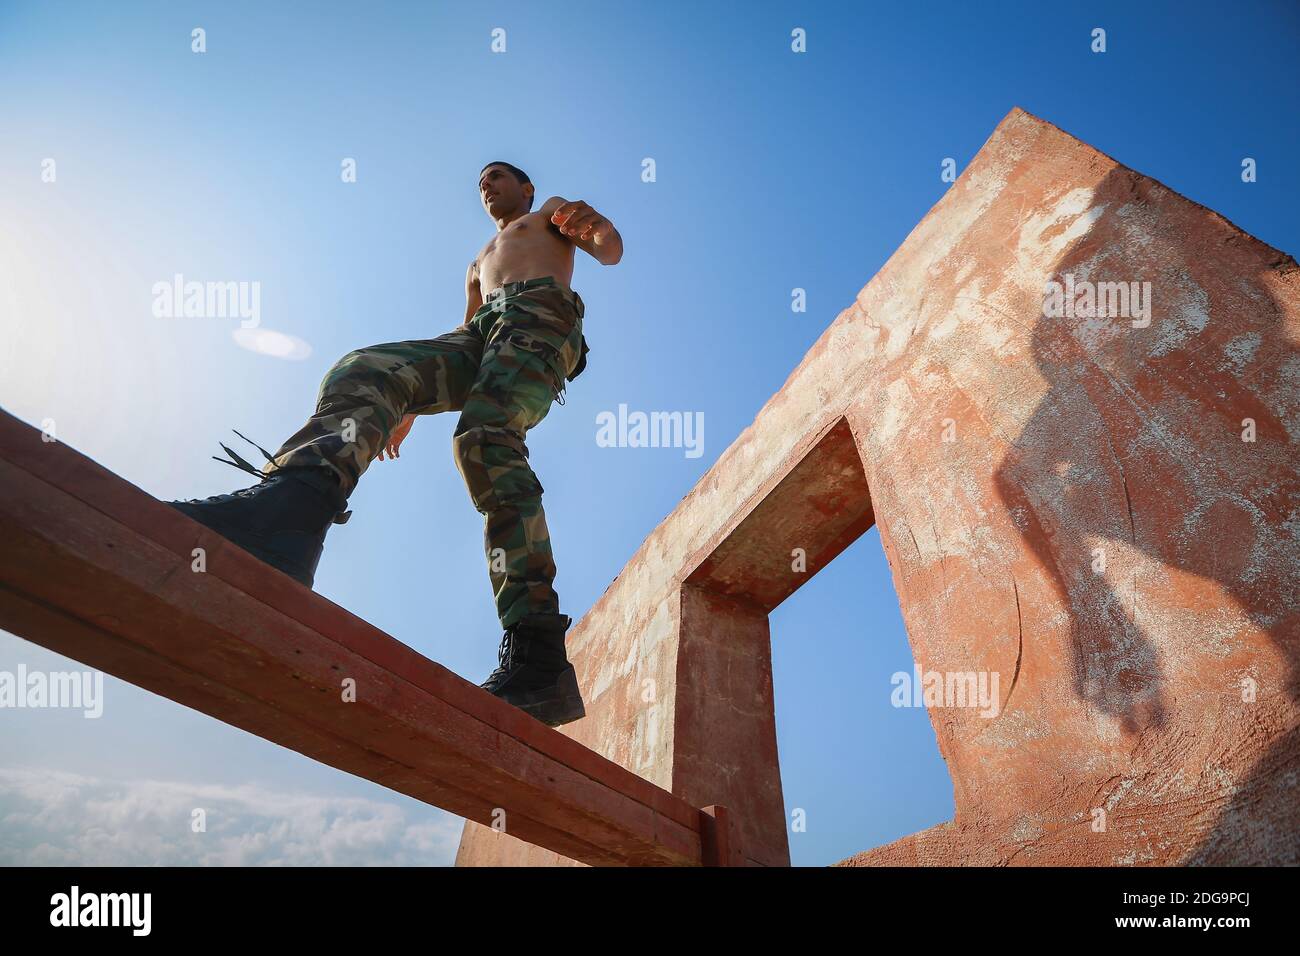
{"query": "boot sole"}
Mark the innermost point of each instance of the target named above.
(554, 706)
(260, 546)
(557, 712)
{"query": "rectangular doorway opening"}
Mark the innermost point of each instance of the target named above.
(842, 770)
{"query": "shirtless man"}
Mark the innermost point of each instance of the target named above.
(527, 244)
(501, 369)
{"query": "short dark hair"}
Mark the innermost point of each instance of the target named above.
(518, 173)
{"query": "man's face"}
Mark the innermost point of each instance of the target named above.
(500, 192)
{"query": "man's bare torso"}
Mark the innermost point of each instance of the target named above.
(530, 247)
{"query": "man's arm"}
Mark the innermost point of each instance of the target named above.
(586, 228)
(473, 294)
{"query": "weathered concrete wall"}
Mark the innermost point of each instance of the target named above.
(1067, 502)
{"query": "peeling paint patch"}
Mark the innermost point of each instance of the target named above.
(898, 402)
(1027, 829)
(1241, 350)
(1187, 319)
(1044, 236)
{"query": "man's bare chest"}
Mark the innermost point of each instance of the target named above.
(531, 232)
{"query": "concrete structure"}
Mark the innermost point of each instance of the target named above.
(1103, 510)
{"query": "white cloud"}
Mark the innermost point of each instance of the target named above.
(53, 818)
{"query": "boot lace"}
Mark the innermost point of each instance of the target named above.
(503, 657)
(238, 461)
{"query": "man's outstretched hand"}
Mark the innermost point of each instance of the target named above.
(579, 220)
(397, 437)
(587, 229)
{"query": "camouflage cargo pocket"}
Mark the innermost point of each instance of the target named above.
(557, 328)
(552, 358)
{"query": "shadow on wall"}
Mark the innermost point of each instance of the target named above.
(1138, 442)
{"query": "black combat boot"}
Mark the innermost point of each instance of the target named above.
(282, 520)
(534, 673)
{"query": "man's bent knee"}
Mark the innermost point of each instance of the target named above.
(494, 464)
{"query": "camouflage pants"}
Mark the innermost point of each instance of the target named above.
(501, 370)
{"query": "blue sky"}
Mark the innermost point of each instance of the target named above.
(775, 170)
